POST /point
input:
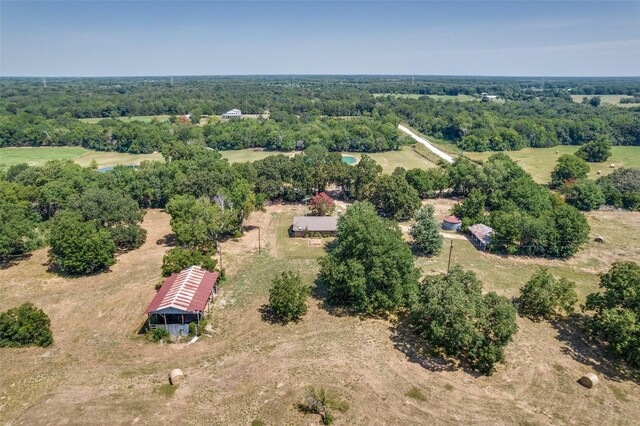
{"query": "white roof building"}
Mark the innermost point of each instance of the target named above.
(234, 113)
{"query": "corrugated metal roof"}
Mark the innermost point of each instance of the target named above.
(482, 232)
(187, 290)
(315, 223)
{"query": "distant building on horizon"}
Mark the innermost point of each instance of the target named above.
(234, 113)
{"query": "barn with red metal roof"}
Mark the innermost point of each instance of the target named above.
(182, 299)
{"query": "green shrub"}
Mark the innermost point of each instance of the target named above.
(25, 325)
(288, 297)
(543, 296)
(178, 258)
(156, 335)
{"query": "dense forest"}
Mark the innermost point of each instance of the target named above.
(340, 113)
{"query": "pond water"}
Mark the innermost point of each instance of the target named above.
(349, 159)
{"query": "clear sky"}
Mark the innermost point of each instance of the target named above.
(128, 38)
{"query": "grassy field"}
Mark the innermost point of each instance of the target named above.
(247, 368)
(540, 161)
(142, 118)
(407, 157)
(40, 155)
(606, 99)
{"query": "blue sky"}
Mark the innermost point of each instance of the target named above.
(124, 38)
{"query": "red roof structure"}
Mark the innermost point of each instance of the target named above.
(452, 219)
(188, 290)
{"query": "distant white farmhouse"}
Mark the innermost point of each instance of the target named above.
(486, 96)
(234, 113)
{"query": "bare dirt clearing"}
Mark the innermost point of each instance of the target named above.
(99, 370)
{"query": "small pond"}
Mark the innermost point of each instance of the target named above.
(349, 159)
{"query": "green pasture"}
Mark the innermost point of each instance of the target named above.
(540, 161)
(606, 99)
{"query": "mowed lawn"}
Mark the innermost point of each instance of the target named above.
(541, 161)
(82, 156)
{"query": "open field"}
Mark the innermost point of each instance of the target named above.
(40, 155)
(250, 369)
(407, 157)
(143, 118)
(540, 161)
(606, 99)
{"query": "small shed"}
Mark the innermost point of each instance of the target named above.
(182, 299)
(451, 223)
(481, 235)
(304, 225)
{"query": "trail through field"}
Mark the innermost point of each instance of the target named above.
(446, 157)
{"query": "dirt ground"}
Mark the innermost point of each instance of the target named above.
(99, 371)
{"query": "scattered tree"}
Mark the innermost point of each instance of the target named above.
(394, 196)
(617, 310)
(452, 314)
(25, 325)
(79, 247)
(426, 231)
(288, 297)
(322, 205)
(178, 258)
(370, 267)
(596, 151)
(543, 296)
(584, 195)
(568, 168)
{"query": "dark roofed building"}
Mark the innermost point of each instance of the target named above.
(481, 235)
(304, 225)
(182, 299)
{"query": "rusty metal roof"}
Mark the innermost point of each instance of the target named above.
(482, 232)
(187, 290)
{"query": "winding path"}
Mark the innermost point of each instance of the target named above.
(429, 145)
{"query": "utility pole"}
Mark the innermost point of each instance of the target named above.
(259, 245)
(450, 251)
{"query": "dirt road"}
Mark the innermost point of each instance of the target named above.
(446, 157)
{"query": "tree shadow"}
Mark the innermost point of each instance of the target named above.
(581, 348)
(320, 292)
(169, 240)
(418, 351)
(14, 260)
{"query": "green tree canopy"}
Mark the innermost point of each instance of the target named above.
(114, 211)
(616, 320)
(394, 196)
(426, 231)
(79, 247)
(543, 296)
(596, 151)
(568, 167)
(288, 297)
(452, 314)
(25, 325)
(178, 258)
(370, 267)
